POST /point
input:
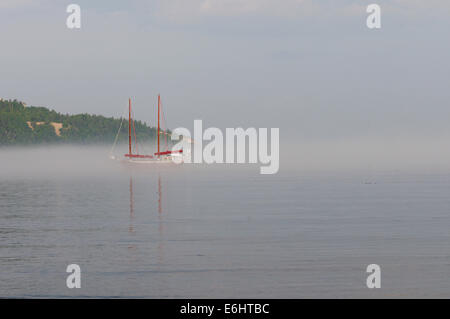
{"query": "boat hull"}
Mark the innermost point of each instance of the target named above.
(150, 161)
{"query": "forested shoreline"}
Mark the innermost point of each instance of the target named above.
(22, 125)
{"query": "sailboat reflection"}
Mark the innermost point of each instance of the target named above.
(131, 227)
(159, 196)
(131, 230)
(160, 224)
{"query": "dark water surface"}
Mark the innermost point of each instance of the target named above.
(225, 232)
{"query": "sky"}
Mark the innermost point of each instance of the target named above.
(311, 68)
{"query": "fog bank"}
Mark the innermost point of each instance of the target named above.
(299, 157)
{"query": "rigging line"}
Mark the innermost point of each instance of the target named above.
(142, 145)
(118, 133)
(134, 132)
(165, 127)
(156, 134)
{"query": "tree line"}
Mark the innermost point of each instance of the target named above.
(79, 128)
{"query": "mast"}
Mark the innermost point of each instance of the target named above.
(129, 126)
(167, 152)
(130, 154)
(159, 106)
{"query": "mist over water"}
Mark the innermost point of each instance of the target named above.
(296, 158)
(167, 231)
(55, 161)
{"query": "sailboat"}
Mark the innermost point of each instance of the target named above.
(161, 156)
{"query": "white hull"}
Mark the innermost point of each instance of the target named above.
(149, 161)
(161, 160)
(165, 160)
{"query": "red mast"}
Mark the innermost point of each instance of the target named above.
(131, 122)
(159, 106)
(129, 126)
(159, 153)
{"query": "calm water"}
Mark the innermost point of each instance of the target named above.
(224, 232)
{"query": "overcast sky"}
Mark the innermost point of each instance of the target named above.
(311, 68)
